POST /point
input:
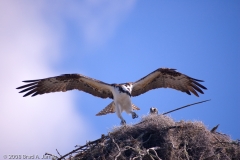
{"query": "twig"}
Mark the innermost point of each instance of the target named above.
(185, 149)
(219, 140)
(147, 139)
(58, 153)
(185, 106)
(154, 150)
(135, 157)
(213, 130)
(119, 151)
(137, 150)
(49, 154)
(75, 150)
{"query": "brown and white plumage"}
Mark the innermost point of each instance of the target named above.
(120, 93)
(153, 110)
(167, 78)
(111, 108)
(65, 83)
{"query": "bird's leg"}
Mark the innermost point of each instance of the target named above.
(118, 111)
(134, 115)
(123, 122)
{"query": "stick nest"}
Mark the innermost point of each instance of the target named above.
(159, 137)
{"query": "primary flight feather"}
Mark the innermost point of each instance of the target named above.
(120, 93)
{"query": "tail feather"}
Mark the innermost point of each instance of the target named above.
(134, 107)
(111, 109)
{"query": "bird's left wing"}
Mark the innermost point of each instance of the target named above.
(67, 82)
(167, 78)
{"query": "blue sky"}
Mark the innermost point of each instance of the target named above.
(114, 42)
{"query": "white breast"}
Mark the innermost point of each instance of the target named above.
(122, 100)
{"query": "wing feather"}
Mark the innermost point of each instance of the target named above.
(111, 109)
(67, 82)
(196, 88)
(27, 85)
(167, 78)
(27, 89)
(192, 91)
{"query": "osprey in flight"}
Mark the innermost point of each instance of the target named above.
(120, 93)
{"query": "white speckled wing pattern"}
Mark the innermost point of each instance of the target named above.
(111, 109)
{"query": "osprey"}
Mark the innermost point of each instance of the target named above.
(153, 110)
(120, 93)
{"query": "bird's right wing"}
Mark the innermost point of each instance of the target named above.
(67, 82)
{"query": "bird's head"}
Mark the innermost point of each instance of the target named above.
(127, 87)
(153, 110)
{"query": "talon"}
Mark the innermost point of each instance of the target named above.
(123, 122)
(134, 115)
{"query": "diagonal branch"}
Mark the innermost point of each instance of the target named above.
(185, 106)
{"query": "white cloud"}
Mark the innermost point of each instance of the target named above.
(30, 42)
(98, 20)
(40, 124)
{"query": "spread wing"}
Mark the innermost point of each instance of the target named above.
(111, 109)
(66, 82)
(167, 78)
